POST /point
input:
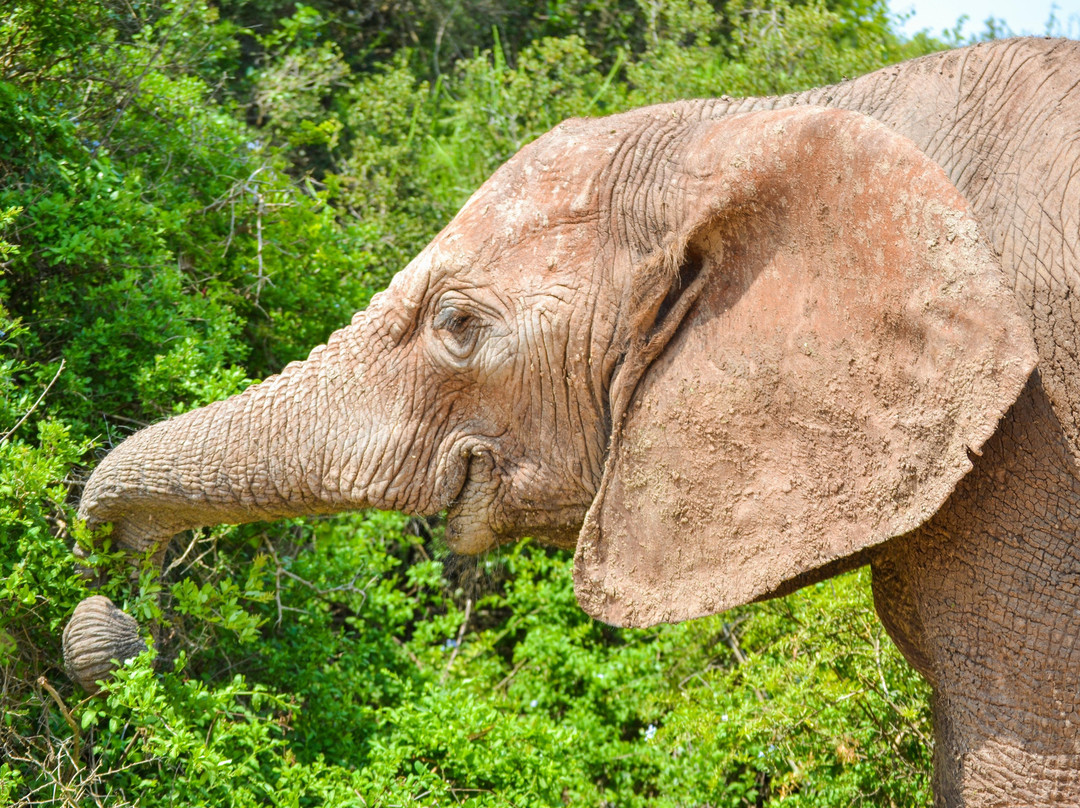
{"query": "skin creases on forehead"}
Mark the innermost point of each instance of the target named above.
(502, 264)
(537, 215)
(551, 180)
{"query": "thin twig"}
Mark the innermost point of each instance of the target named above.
(877, 659)
(9, 433)
(261, 280)
(457, 645)
(813, 713)
(135, 421)
(698, 675)
(400, 644)
(134, 87)
(280, 570)
(512, 674)
(195, 536)
(732, 642)
(349, 587)
(277, 578)
(64, 711)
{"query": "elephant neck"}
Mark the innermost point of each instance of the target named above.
(982, 600)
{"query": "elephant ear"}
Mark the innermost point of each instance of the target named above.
(820, 344)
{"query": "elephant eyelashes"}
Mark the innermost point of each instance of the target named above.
(459, 330)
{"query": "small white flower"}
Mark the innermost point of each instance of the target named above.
(723, 717)
(650, 731)
(533, 703)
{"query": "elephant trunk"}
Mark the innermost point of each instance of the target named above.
(270, 452)
(255, 456)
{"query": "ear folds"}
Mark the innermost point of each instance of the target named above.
(838, 340)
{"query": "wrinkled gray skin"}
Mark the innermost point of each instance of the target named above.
(480, 382)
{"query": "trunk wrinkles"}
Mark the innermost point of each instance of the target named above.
(260, 455)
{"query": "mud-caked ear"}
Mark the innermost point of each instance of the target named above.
(820, 343)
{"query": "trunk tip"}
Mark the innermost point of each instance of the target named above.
(97, 634)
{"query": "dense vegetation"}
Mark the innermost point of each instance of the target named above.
(193, 194)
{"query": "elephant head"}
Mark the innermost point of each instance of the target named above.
(717, 355)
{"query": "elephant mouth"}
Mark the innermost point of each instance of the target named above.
(478, 518)
(468, 524)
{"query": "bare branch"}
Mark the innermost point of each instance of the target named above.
(457, 644)
(48, 387)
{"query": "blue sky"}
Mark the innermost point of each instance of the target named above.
(1022, 16)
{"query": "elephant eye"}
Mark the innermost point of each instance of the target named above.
(451, 319)
(458, 329)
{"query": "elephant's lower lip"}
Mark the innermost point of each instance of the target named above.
(468, 530)
(456, 474)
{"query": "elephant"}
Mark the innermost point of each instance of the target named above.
(723, 349)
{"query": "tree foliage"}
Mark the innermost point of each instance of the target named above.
(193, 194)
